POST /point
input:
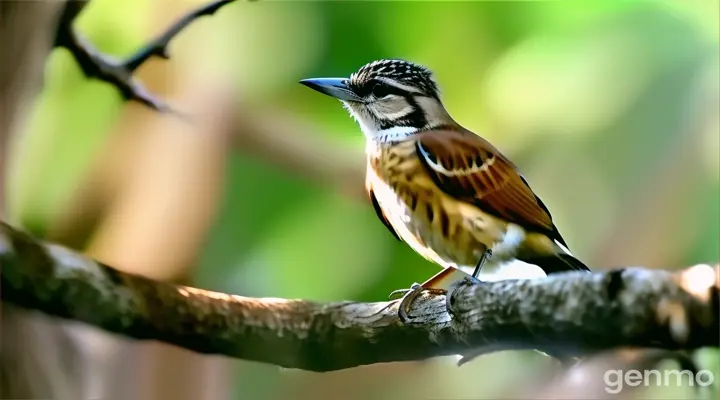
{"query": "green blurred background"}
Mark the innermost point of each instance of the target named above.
(609, 107)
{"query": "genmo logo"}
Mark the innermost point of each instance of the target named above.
(616, 379)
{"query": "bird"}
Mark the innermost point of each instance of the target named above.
(445, 191)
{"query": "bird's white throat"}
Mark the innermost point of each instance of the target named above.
(394, 133)
(370, 124)
(374, 140)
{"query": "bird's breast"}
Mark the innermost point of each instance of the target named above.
(438, 227)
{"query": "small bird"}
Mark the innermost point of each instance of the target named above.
(445, 191)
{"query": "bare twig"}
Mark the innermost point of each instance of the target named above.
(119, 73)
(570, 313)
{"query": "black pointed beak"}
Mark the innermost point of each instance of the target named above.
(333, 87)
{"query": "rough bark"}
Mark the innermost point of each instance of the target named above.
(572, 314)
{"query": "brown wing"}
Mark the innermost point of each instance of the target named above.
(470, 169)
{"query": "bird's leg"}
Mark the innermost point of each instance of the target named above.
(478, 267)
(440, 281)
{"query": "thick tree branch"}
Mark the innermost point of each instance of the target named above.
(574, 312)
(119, 73)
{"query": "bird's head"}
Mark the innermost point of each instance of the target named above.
(388, 98)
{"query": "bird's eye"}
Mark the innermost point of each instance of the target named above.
(380, 90)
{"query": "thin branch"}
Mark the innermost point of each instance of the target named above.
(95, 64)
(567, 313)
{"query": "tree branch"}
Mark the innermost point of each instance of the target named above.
(573, 312)
(95, 64)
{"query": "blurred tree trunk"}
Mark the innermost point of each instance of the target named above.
(138, 220)
(38, 358)
(162, 178)
(27, 31)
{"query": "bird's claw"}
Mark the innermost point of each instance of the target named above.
(416, 289)
(396, 294)
(408, 297)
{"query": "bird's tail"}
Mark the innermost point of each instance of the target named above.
(561, 261)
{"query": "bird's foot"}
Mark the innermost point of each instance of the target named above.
(407, 298)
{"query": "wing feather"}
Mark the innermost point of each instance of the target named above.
(380, 213)
(470, 169)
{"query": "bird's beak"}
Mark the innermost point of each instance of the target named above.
(333, 87)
